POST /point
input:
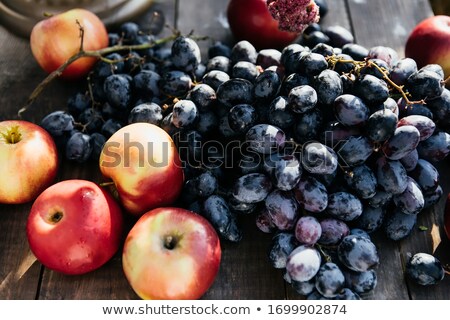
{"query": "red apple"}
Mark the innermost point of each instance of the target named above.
(171, 253)
(74, 227)
(429, 42)
(54, 40)
(143, 162)
(251, 20)
(28, 161)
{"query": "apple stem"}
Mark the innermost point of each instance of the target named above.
(170, 242)
(81, 28)
(106, 184)
(99, 54)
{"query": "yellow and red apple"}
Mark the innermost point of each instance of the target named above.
(74, 227)
(56, 39)
(429, 43)
(171, 253)
(143, 162)
(28, 161)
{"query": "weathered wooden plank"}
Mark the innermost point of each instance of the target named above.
(211, 21)
(385, 22)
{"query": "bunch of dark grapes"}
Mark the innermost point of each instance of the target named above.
(316, 142)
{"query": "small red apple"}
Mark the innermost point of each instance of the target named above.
(429, 43)
(171, 253)
(28, 161)
(74, 227)
(251, 20)
(143, 162)
(54, 40)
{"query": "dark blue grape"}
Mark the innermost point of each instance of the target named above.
(283, 244)
(360, 232)
(129, 31)
(404, 140)
(315, 38)
(361, 282)
(318, 158)
(425, 125)
(252, 188)
(215, 78)
(339, 36)
(203, 96)
(399, 225)
(91, 119)
(333, 231)
(372, 90)
(204, 185)
(426, 176)
(104, 69)
(304, 288)
(302, 98)
(241, 207)
(374, 71)
(308, 230)
(290, 57)
(110, 127)
(386, 54)
(146, 84)
(303, 263)
(219, 63)
(411, 201)
(311, 194)
(329, 280)
(380, 199)
(287, 173)
(424, 269)
(358, 253)
(371, 219)
(97, 141)
(118, 91)
(59, 124)
(186, 54)
(268, 57)
(133, 62)
(282, 209)
(308, 126)
(415, 109)
(362, 180)
(311, 64)
(350, 110)
(344, 206)
(381, 125)
(217, 212)
(78, 102)
(410, 160)
(244, 70)
(425, 84)
(265, 138)
(243, 51)
(267, 85)
(175, 83)
(433, 197)
(402, 70)
(329, 86)
(435, 148)
(264, 222)
(235, 91)
(391, 175)
(356, 51)
(323, 49)
(146, 112)
(185, 114)
(440, 107)
(207, 123)
(242, 117)
(291, 81)
(79, 147)
(219, 49)
(354, 151)
(279, 113)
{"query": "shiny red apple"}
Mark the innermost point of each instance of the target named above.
(171, 253)
(429, 42)
(54, 40)
(74, 227)
(143, 162)
(28, 161)
(251, 20)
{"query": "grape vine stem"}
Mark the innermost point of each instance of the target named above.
(99, 54)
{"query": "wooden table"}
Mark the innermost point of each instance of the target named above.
(245, 272)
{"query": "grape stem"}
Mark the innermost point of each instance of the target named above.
(99, 54)
(367, 63)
